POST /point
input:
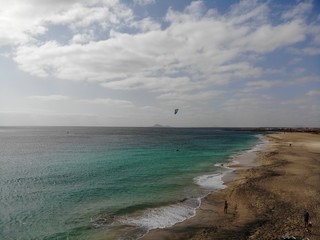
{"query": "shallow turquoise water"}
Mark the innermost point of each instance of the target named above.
(84, 183)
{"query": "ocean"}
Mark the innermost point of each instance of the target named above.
(108, 183)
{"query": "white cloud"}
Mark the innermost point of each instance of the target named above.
(109, 101)
(196, 8)
(154, 84)
(297, 102)
(313, 93)
(144, 2)
(254, 110)
(247, 10)
(148, 59)
(22, 22)
(300, 10)
(213, 42)
(199, 96)
(278, 36)
(311, 51)
(82, 15)
(39, 61)
(305, 80)
(31, 118)
(261, 84)
(187, 59)
(81, 38)
(146, 24)
(50, 97)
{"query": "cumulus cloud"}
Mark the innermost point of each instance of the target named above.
(149, 58)
(82, 15)
(23, 22)
(278, 36)
(81, 38)
(146, 24)
(182, 57)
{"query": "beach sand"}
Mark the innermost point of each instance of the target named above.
(266, 201)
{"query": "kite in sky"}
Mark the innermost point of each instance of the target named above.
(176, 110)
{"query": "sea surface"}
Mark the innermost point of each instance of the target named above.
(108, 183)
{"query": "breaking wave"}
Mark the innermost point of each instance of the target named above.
(165, 216)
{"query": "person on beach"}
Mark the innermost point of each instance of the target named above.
(306, 220)
(225, 207)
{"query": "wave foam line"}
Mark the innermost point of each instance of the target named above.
(166, 216)
(211, 181)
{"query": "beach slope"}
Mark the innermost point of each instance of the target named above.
(265, 202)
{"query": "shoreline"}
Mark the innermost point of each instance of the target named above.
(266, 201)
(139, 227)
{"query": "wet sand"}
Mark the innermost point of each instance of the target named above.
(266, 201)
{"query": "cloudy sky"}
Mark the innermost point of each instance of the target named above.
(131, 63)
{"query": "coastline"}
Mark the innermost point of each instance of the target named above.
(266, 201)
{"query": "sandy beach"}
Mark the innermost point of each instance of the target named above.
(264, 202)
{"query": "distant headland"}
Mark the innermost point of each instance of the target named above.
(261, 129)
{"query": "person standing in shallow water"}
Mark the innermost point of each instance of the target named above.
(225, 207)
(306, 220)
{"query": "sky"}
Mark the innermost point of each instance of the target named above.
(131, 63)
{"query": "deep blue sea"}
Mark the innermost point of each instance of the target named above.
(108, 183)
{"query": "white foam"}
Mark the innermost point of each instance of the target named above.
(247, 157)
(262, 142)
(166, 216)
(212, 181)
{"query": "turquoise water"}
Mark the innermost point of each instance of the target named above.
(107, 183)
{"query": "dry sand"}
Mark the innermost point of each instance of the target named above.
(265, 202)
